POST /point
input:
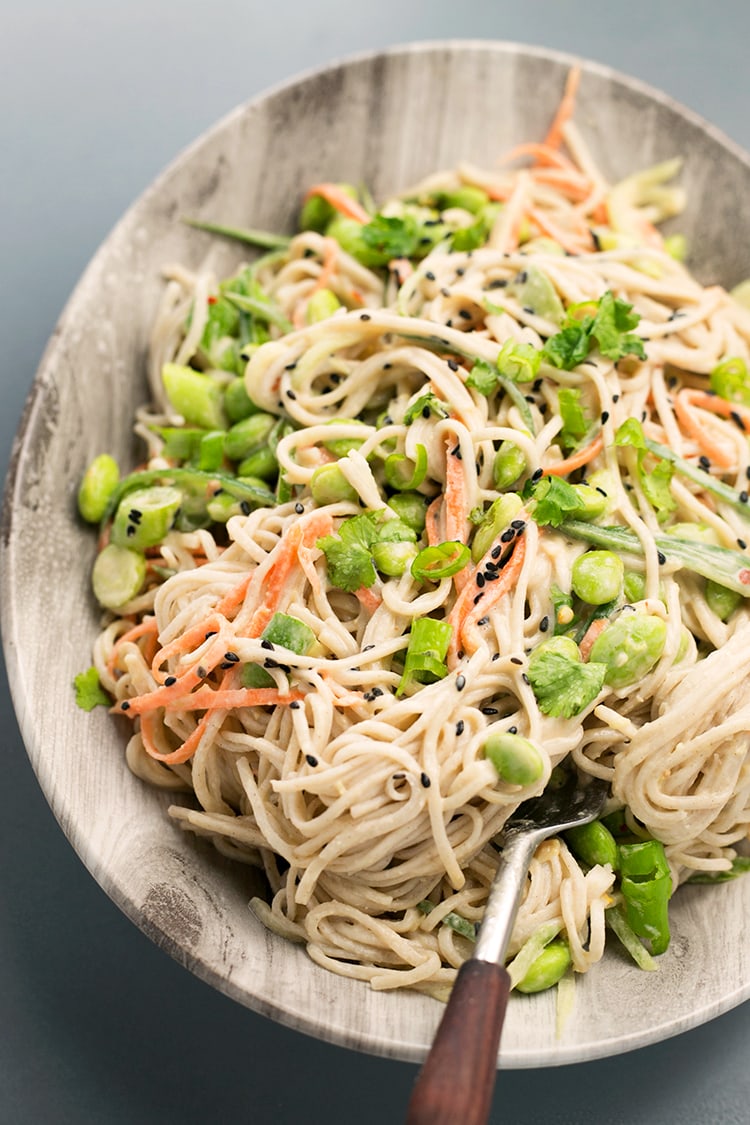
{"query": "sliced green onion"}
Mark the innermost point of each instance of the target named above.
(404, 474)
(426, 652)
(145, 516)
(441, 561)
(117, 576)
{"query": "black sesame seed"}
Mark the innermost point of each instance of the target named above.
(376, 691)
(225, 664)
(507, 535)
(456, 452)
(135, 515)
(525, 678)
(537, 475)
(365, 316)
(512, 730)
(265, 643)
(736, 418)
(291, 366)
(742, 544)
(544, 625)
(605, 416)
(232, 657)
(600, 491)
(480, 580)
(516, 660)
(460, 727)
(425, 781)
(201, 672)
(299, 508)
(661, 557)
(496, 656)
(367, 648)
(615, 398)
(460, 682)
(453, 365)
(522, 277)
(311, 759)
(211, 633)
(125, 706)
(290, 394)
(245, 507)
(460, 654)
(460, 271)
(490, 711)
(170, 680)
(478, 598)
(425, 412)
(483, 621)
(295, 705)
(496, 552)
(430, 275)
(704, 462)
(465, 314)
(130, 530)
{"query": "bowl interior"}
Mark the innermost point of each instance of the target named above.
(385, 120)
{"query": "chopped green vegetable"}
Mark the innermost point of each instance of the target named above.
(646, 886)
(517, 760)
(287, 632)
(617, 922)
(99, 483)
(197, 397)
(534, 290)
(731, 380)
(597, 577)
(609, 327)
(322, 304)
(260, 238)
(404, 474)
(629, 647)
(563, 687)
(118, 575)
(553, 500)
(593, 843)
(425, 405)
(411, 507)
(425, 654)
(508, 464)
(144, 517)
(89, 691)
(440, 561)
(496, 519)
(545, 972)
(329, 486)
(575, 423)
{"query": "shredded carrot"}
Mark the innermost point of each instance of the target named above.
(565, 109)
(576, 460)
(191, 639)
(300, 534)
(542, 155)
(717, 447)
(218, 699)
(182, 753)
(340, 201)
(455, 506)
(593, 631)
(571, 241)
(432, 522)
(147, 628)
(368, 599)
(569, 183)
(466, 611)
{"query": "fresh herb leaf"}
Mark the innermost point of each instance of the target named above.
(483, 378)
(575, 423)
(631, 433)
(654, 479)
(350, 565)
(612, 328)
(519, 362)
(429, 402)
(570, 346)
(554, 500)
(563, 687)
(89, 691)
(392, 237)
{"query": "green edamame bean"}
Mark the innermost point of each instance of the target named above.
(145, 516)
(597, 577)
(508, 464)
(629, 647)
(348, 234)
(516, 760)
(317, 212)
(394, 558)
(260, 463)
(551, 964)
(593, 843)
(634, 586)
(245, 436)
(411, 507)
(497, 518)
(396, 531)
(594, 503)
(329, 486)
(467, 197)
(695, 532)
(339, 447)
(237, 402)
(322, 304)
(99, 482)
(117, 576)
(722, 601)
(563, 646)
(197, 397)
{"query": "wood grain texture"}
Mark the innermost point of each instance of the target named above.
(458, 1077)
(387, 120)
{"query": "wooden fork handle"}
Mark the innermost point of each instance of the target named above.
(454, 1087)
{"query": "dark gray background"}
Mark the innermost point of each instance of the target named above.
(96, 1024)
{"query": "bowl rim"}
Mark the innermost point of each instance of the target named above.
(9, 613)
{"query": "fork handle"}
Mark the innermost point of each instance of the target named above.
(458, 1076)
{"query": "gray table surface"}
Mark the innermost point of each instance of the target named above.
(96, 1024)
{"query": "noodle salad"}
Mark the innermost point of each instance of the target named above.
(441, 499)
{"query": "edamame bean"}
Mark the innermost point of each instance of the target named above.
(197, 397)
(99, 482)
(394, 558)
(237, 402)
(593, 843)
(516, 760)
(245, 436)
(722, 601)
(117, 576)
(563, 646)
(634, 586)
(411, 507)
(508, 464)
(594, 503)
(467, 197)
(322, 304)
(551, 964)
(317, 212)
(145, 516)
(597, 577)
(629, 647)
(396, 531)
(260, 463)
(497, 518)
(339, 447)
(329, 486)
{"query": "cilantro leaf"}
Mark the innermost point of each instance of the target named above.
(392, 237)
(612, 324)
(554, 500)
(519, 362)
(575, 424)
(570, 346)
(360, 531)
(654, 479)
(350, 565)
(427, 402)
(89, 691)
(563, 687)
(483, 378)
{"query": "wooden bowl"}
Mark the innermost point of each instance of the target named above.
(385, 119)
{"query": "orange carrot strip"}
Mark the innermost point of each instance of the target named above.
(368, 599)
(182, 753)
(189, 640)
(432, 522)
(305, 533)
(722, 453)
(331, 250)
(228, 699)
(340, 201)
(576, 460)
(569, 241)
(572, 184)
(146, 628)
(466, 613)
(542, 154)
(593, 631)
(565, 109)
